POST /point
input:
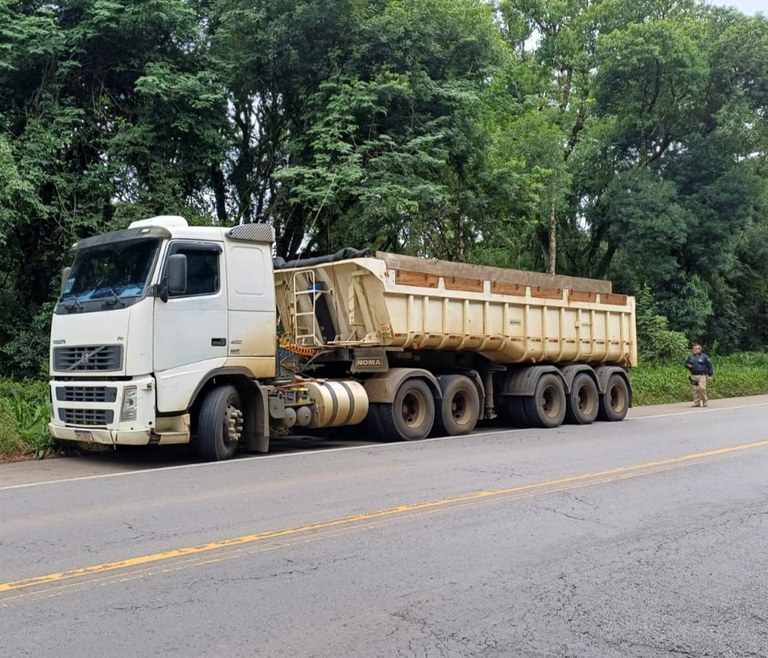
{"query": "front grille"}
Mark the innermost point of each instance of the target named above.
(86, 393)
(88, 357)
(86, 417)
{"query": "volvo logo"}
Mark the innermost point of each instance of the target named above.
(86, 358)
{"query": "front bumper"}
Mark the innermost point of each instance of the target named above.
(95, 435)
(95, 411)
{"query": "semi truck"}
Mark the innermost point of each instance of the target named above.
(166, 333)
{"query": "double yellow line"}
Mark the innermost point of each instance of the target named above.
(312, 530)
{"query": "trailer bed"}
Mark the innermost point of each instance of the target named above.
(404, 303)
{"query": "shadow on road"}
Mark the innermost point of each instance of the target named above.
(138, 457)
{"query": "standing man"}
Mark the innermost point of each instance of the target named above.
(701, 370)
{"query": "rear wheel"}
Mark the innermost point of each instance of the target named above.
(220, 424)
(459, 409)
(546, 408)
(583, 400)
(412, 413)
(614, 403)
(513, 409)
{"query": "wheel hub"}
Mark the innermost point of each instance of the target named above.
(234, 424)
(413, 410)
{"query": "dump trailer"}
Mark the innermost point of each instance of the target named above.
(166, 333)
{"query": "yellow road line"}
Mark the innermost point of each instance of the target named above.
(547, 486)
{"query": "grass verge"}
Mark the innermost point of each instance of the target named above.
(24, 414)
(735, 376)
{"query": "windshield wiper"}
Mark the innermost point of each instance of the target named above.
(76, 306)
(112, 302)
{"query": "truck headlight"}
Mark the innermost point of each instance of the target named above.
(128, 411)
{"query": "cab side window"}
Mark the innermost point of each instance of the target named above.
(202, 268)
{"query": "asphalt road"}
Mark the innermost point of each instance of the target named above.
(643, 538)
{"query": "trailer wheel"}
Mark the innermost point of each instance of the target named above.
(546, 408)
(220, 424)
(513, 410)
(411, 416)
(459, 410)
(614, 403)
(583, 400)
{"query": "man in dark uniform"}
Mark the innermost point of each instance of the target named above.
(701, 370)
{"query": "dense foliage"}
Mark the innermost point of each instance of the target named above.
(621, 139)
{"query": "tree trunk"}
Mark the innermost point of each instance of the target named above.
(552, 240)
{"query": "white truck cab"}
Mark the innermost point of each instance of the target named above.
(131, 348)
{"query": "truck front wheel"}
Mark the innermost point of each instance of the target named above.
(220, 424)
(412, 413)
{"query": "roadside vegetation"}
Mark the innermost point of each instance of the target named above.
(24, 406)
(736, 375)
(24, 412)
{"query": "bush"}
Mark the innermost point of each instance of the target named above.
(10, 442)
(24, 352)
(737, 375)
(24, 414)
(657, 343)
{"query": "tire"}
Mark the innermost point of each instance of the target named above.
(513, 410)
(220, 424)
(458, 411)
(583, 401)
(546, 408)
(372, 423)
(412, 413)
(614, 403)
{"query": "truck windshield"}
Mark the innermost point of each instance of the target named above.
(111, 275)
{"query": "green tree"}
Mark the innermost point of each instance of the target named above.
(106, 114)
(392, 152)
(667, 106)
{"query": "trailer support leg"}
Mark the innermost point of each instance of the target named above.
(490, 412)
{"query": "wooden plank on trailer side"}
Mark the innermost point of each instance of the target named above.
(442, 268)
(504, 288)
(581, 296)
(546, 293)
(407, 278)
(466, 285)
(618, 300)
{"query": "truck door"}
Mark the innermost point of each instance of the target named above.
(251, 309)
(191, 327)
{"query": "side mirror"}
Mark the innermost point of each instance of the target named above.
(64, 278)
(175, 280)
